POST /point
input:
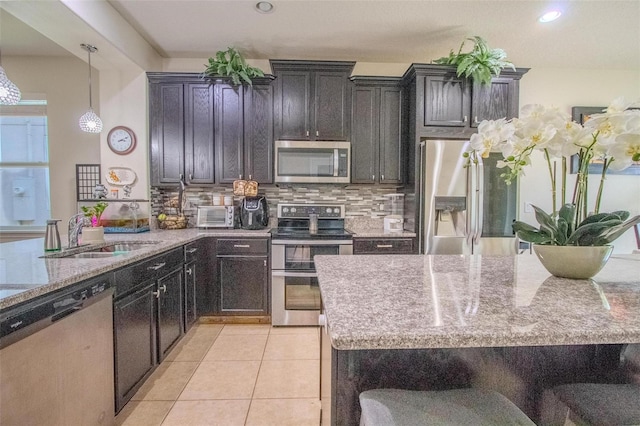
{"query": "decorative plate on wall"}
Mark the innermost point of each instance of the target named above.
(120, 176)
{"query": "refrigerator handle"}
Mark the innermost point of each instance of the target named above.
(480, 200)
(421, 206)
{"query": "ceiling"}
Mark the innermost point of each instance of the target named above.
(590, 33)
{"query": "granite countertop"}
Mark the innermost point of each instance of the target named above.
(418, 301)
(24, 274)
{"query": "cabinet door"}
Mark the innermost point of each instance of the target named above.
(198, 144)
(390, 151)
(446, 101)
(364, 143)
(169, 311)
(190, 274)
(291, 106)
(243, 285)
(228, 110)
(134, 342)
(494, 101)
(166, 122)
(331, 106)
(258, 133)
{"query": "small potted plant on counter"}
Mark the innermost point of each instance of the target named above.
(95, 233)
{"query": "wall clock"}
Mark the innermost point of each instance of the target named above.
(121, 140)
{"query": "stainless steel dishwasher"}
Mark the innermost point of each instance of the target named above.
(56, 358)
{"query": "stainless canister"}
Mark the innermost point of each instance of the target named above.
(52, 236)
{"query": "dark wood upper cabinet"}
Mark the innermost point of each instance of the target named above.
(377, 119)
(312, 100)
(448, 106)
(181, 129)
(244, 131)
(208, 131)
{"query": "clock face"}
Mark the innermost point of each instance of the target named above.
(121, 140)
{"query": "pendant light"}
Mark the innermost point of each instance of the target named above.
(90, 122)
(9, 92)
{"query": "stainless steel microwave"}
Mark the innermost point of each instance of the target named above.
(215, 217)
(312, 162)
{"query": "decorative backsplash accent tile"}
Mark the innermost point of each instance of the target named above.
(364, 201)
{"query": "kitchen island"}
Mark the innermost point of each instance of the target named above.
(442, 322)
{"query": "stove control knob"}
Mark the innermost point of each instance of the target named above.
(285, 209)
(328, 209)
(336, 210)
(293, 209)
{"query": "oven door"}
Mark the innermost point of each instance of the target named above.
(295, 298)
(295, 295)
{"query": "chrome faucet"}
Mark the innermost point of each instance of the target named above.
(74, 229)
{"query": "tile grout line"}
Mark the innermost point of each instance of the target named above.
(257, 375)
(191, 376)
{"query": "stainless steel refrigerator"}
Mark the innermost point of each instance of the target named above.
(463, 210)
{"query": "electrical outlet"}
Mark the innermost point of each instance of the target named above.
(528, 207)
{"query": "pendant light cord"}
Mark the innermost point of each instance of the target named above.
(90, 49)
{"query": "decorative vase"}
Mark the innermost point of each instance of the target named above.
(576, 262)
(93, 235)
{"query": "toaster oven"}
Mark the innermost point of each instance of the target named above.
(215, 217)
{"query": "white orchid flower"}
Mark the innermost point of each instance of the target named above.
(625, 150)
(619, 104)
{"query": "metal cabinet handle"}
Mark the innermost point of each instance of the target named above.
(241, 245)
(156, 266)
(475, 120)
(465, 119)
(265, 262)
(384, 245)
(190, 176)
(156, 294)
(189, 272)
(249, 177)
(240, 177)
(317, 133)
(307, 133)
(192, 250)
(163, 288)
(381, 177)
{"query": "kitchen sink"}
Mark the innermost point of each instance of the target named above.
(103, 251)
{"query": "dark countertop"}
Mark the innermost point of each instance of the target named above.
(24, 274)
(418, 301)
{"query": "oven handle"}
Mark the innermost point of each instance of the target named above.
(312, 242)
(293, 274)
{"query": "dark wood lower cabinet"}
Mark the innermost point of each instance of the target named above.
(243, 277)
(147, 319)
(170, 312)
(134, 341)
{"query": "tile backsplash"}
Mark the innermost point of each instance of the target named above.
(361, 201)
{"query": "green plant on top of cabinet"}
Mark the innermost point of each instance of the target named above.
(450, 106)
(181, 129)
(312, 100)
(244, 131)
(376, 138)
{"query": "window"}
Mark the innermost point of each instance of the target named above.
(24, 167)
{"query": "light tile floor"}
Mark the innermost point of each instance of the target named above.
(233, 375)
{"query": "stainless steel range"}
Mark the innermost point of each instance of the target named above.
(304, 230)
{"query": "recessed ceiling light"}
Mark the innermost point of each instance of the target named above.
(552, 15)
(264, 7)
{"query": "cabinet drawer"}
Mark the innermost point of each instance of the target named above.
(383, 246)
(192, 251)
(151, 269)
(242, 246)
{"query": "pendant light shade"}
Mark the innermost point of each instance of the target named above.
(9, 92)
(90, 122)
